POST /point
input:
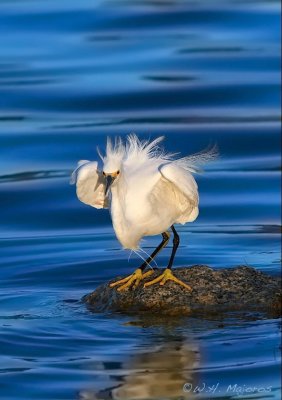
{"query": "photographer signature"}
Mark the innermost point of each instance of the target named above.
(233, 388)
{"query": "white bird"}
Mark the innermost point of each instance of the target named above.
(147, 192)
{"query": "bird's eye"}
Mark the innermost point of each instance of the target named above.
(104, 173)
(118, 172)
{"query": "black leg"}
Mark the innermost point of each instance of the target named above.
(175, 246)
(167, 275)
(163, 243)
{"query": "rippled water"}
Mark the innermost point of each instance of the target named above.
(71, 73)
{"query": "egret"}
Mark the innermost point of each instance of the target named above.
(147, 191)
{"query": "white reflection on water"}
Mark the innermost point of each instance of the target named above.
(160, 372)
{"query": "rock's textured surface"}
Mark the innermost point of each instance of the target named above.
(241, 288)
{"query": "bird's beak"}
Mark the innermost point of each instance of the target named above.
(109, 181)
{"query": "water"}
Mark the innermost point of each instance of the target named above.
(71, 73)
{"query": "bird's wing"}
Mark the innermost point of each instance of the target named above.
(182, 179)
(185, 188)
(90, 184)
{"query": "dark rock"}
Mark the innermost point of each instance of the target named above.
(233, 289)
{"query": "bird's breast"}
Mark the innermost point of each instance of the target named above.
(126, 220)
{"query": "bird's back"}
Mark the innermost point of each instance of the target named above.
(150, 198)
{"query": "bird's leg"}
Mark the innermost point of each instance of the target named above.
(167, 274)
(164, 242)
(138, 275)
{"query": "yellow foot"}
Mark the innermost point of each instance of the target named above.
(166, 276)
(133, 279)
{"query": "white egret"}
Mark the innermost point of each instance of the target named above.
(147, 192)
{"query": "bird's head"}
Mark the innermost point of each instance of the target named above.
(110, 179)
(111, 173)
(112, 162)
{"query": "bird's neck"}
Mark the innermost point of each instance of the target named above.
(120, 224)
(116, 208)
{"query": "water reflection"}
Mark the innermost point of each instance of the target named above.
(159, 372)
(72, 73)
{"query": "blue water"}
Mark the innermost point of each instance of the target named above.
(73, 72)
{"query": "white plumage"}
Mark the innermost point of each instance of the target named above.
(150, 190)
(90, 184)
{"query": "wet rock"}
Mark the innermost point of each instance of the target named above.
(213, 291)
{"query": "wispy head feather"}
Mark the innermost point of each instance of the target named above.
(115, 151)
(116, 148)
(144, 149)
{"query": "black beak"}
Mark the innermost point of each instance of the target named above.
(109, 181)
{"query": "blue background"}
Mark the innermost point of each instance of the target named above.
(71, 73)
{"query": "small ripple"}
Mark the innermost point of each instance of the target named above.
(169, 78)
(18, 316)
(34, 175)
(235, 229)
(104, 37)
(208, 119)
(13, 370)
(26, 82)
(199, 50)
(12, 118)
